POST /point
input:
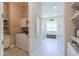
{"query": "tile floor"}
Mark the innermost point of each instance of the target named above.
(50, 48)
(14, 52)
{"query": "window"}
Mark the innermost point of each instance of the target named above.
(51, 26)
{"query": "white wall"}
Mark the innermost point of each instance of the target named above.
(34, 41)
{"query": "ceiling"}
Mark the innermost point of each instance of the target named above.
(51, 9)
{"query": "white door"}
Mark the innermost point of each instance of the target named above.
(1, 29)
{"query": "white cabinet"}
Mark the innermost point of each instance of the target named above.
(72, 51)
(22, 41)
(6, 41)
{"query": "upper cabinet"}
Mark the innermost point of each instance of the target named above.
(75, 17)
(75, 5)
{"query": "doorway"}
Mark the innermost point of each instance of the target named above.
(53, 36)
(53, 26)
(15, 18)
(52, 29)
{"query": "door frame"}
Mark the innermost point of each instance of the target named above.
(1, 29)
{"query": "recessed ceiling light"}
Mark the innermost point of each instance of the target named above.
(55, 7)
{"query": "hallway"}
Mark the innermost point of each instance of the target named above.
(50, 48)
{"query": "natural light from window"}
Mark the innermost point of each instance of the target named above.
(51, 26)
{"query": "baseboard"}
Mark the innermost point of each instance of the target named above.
(34, 54)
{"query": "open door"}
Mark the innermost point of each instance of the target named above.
(1, 29)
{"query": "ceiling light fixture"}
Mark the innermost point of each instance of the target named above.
(55, 7)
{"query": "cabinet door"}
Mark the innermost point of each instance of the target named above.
(1, 28)
(22, 41)
(71, 51)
